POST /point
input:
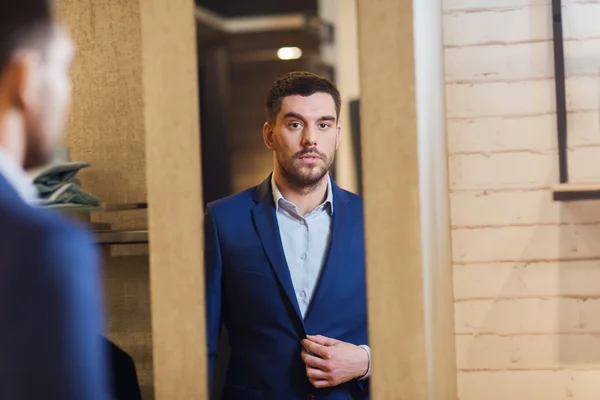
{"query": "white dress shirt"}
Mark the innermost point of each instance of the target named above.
(306, 239)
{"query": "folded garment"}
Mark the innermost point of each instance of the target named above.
(68, 194)
(50, 178)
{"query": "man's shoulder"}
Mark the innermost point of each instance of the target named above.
(235, 202)
(46, 250)
(47, 256)
(352, 198)
(39, 227)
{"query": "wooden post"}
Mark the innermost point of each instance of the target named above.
(173, 171)
(409, 273)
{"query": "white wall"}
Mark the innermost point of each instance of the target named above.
(526, 269)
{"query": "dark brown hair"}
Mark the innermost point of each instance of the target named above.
(303, 84)
(23, 23)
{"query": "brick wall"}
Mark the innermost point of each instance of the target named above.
(526, 269)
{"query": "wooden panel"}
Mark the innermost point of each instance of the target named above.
(406, 220)
(175, 199)
(392, 223)
(106, 126)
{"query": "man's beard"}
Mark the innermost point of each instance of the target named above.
(309, 176)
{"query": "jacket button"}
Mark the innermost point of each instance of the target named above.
(312, 396)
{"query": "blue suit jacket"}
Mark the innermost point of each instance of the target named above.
(50, 307)
(249, 288)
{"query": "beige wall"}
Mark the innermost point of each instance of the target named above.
(526, 269)
(106, 123)
(106, 128)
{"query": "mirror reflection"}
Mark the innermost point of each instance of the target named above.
(285, 279)
(284, 243)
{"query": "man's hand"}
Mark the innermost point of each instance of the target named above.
(330, 362)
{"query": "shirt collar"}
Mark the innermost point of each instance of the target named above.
(17, 178)
(277, 196)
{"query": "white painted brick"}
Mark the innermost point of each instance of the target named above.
(529, 385)
(504, 170)
(541, 279)
(581, 57)
(500, 99)
(525, 243)
(513, 25)
(583, 128)
(584, 165)
(533, 316)
(498, 62)
(505, 99)
(520, 61)
(469, 209)
(503, 134)
(477, 5)
(476, 352)
(505, 131)
(518, 207)
(472, 5)
(520, 133)
(580, 20)
(506, 26)
(583, 93)
(521, 170)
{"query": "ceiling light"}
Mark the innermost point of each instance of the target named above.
(289, 53)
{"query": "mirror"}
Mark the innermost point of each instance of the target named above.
(243, 48)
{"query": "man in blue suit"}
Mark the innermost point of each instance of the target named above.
(285, 268)
(50, 297)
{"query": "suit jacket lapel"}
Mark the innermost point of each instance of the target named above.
(340, 235)
(265, 220)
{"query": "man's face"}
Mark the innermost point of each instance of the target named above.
(48, 100)
(304, 138)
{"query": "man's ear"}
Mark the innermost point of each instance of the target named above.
(269, 135)
(19, 79)
(338, 136)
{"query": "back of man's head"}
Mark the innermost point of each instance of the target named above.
(21, 23)
(35, 86)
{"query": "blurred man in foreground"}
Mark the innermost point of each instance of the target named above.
(50, 298)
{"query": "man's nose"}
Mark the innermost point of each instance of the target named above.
(310, 137)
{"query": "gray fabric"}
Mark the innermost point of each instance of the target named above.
(51, 178)
(69, 195)
(58, 187)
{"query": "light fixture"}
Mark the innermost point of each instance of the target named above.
(289, 53)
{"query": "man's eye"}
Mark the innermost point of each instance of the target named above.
(324, 126)
(295, 125)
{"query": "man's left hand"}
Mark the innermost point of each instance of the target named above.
(330, 362)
